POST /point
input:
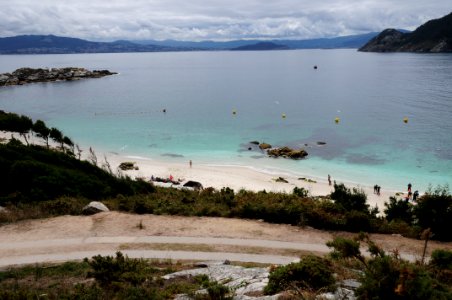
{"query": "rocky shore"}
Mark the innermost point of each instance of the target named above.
(28, 75)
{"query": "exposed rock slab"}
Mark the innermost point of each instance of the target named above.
(29, 75)
(239, 279)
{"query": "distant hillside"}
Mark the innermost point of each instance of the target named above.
(352, 42)
(433, 36)
(261, 46)
(50, 44)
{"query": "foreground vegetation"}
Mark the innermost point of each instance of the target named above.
(39, 181)
(106, 277)
(382, 276)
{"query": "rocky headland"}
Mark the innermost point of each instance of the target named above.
(28, 75)
(432, 37)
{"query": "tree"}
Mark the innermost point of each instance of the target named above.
(15, 123)
(350, 199)
(57, 136)
(398, 210)
(67, 141)
(42, 131)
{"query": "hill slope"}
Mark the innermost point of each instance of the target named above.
(433, 36)
(51, 44)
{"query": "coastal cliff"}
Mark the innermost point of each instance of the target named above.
(28, 75)
(432, 37)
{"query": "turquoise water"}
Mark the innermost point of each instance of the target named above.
(370, 93)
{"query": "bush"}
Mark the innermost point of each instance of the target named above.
(441, 259)
(311, 273)
(115, 271)
(434, 211)
(400, 210)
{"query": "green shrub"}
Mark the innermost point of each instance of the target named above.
(434, 211)
(441, 259)
(311, 273)
(112, 271)
(354, 199)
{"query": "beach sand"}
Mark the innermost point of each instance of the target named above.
(219, 176)
(236, 178)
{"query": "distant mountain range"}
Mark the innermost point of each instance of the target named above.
(431, 37)
(51, 44)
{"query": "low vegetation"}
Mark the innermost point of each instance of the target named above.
(39, 181)
(105, 277)
(387, 276)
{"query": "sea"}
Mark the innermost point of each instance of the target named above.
(364, 118)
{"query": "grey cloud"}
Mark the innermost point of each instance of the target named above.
(213, 19)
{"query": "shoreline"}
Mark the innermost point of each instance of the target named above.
(236, 177)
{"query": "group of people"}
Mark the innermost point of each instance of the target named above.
(411, 195)
(377, 189)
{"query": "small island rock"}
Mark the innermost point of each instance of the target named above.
(287, 152)
(28, 75)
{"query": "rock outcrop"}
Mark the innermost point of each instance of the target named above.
(29, 75)
(94, 207)
(241, 280)
(287, 152)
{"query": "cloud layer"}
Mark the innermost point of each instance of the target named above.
(213, 19)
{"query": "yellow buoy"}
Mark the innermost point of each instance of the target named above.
(405, 120)
(283, 116)
(337, 120)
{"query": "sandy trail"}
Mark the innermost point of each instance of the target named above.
(75, 237)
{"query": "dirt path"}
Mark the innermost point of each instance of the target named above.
(196, 238)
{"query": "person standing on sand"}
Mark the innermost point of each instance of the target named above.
(409, 187)
(190, 163)
(378, 190)
(329, 179)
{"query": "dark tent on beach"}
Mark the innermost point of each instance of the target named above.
(193, 184)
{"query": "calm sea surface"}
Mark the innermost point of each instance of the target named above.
(370, 93)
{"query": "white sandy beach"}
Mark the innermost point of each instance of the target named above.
(218, 176)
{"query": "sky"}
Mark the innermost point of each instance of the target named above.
(195, 20)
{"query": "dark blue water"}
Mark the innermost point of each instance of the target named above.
(370, 94)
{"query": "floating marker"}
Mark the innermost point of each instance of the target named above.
(405, 120)
(234, 112)
(283, 116)
(315, 67)
(337, 120)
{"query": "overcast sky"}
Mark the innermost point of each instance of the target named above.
(213, 19)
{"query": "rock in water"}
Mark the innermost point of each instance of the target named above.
(94, 207)
(29, 75)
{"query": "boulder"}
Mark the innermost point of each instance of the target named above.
(265, 146)
(94, 207)
(127, 165)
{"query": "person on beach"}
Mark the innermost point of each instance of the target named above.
(378, 190)
(375, 189)
(409, 187)
(415, 195)
(329, 179)
(190, 163)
